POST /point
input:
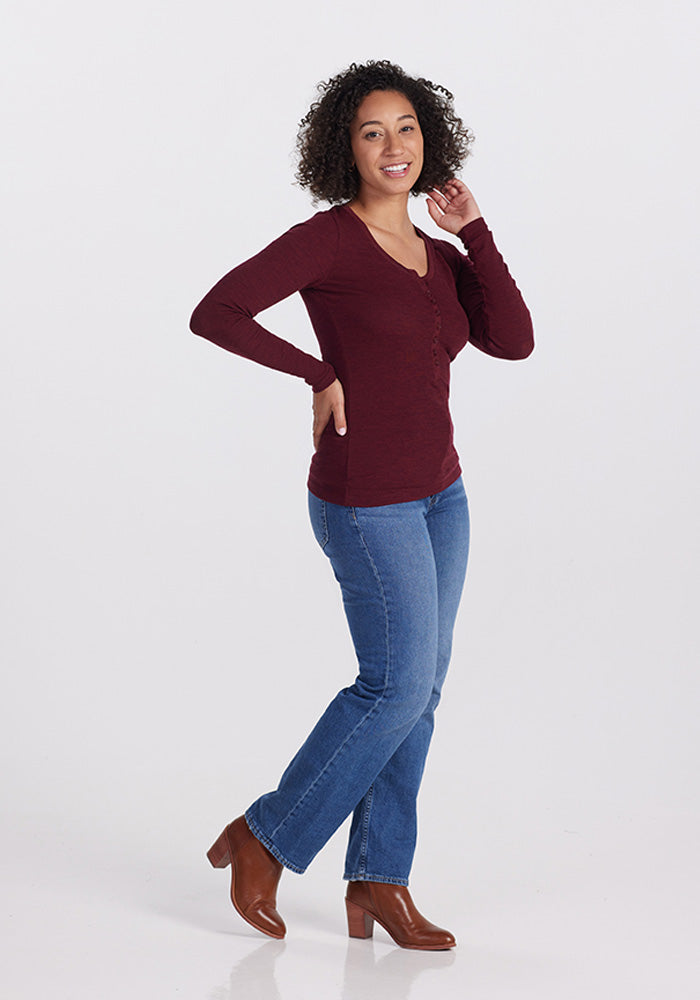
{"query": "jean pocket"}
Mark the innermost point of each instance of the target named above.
(319, 519)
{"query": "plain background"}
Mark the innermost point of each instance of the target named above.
(172, 630)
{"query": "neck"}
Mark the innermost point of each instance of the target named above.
(387, 212)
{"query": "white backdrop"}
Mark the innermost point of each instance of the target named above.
(173, 630)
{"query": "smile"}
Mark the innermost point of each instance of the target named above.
(396, 169)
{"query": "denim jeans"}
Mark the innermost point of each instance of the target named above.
(401, 569)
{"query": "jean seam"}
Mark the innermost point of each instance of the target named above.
(324, 518)
(366, 812)
(373, 709)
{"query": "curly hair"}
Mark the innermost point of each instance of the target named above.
(323, 140)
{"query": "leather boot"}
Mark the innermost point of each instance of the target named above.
(255, 874)
(392, 907)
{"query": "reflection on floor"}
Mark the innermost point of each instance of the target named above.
(565, 914)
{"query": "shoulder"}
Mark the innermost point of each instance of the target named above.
(315, 238)
(306, 250)
(322, 225)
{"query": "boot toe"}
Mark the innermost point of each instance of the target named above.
(264, 917)
(437, 940)
(445, 940)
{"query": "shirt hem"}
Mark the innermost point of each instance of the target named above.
(353, 497)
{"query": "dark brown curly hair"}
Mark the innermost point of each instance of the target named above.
(323, 141)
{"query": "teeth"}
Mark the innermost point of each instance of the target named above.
(396, 167)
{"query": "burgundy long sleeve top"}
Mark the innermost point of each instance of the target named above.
(387, 333)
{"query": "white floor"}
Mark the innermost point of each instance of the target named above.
(611, 911)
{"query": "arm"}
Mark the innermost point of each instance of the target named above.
(300, 257)
(500, 322)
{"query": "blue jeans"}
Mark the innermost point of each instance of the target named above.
(401, 569)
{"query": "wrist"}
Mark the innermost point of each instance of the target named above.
(472, 228)
(326, 378)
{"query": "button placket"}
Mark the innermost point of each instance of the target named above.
(438, 326)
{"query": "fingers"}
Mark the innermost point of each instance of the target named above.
(329, 402)
(433, 209)
(320, 423)
(438, 198)
(318, 431)
(452, 188)
(339, 418)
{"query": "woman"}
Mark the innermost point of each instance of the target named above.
(391, 307)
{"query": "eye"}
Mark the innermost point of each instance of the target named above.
(369, 134)
(409, 127)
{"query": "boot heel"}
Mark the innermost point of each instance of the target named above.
(218, 853)
(360, 924)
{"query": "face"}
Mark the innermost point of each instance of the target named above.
(385, 134)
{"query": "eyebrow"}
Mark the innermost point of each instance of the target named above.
(375, 122)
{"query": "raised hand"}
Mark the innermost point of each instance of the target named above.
(329, 401)
(452, 206)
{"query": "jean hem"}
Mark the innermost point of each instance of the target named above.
(257, 832)
(364, 877)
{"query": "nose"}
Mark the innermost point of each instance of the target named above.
(394, 143)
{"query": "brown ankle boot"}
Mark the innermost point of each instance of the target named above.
(392, 906)
(255, 874)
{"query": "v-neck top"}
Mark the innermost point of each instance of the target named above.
(386, 332)
(378, 244)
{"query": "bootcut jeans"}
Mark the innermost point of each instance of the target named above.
(401, 569)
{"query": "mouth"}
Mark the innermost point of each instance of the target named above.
(396, 169)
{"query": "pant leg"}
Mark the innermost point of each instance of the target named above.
(390, 802)
(383, 560)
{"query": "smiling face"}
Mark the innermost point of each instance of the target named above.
(387, 144)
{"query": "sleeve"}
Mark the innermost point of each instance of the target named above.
(500, 322)
(299, 258)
